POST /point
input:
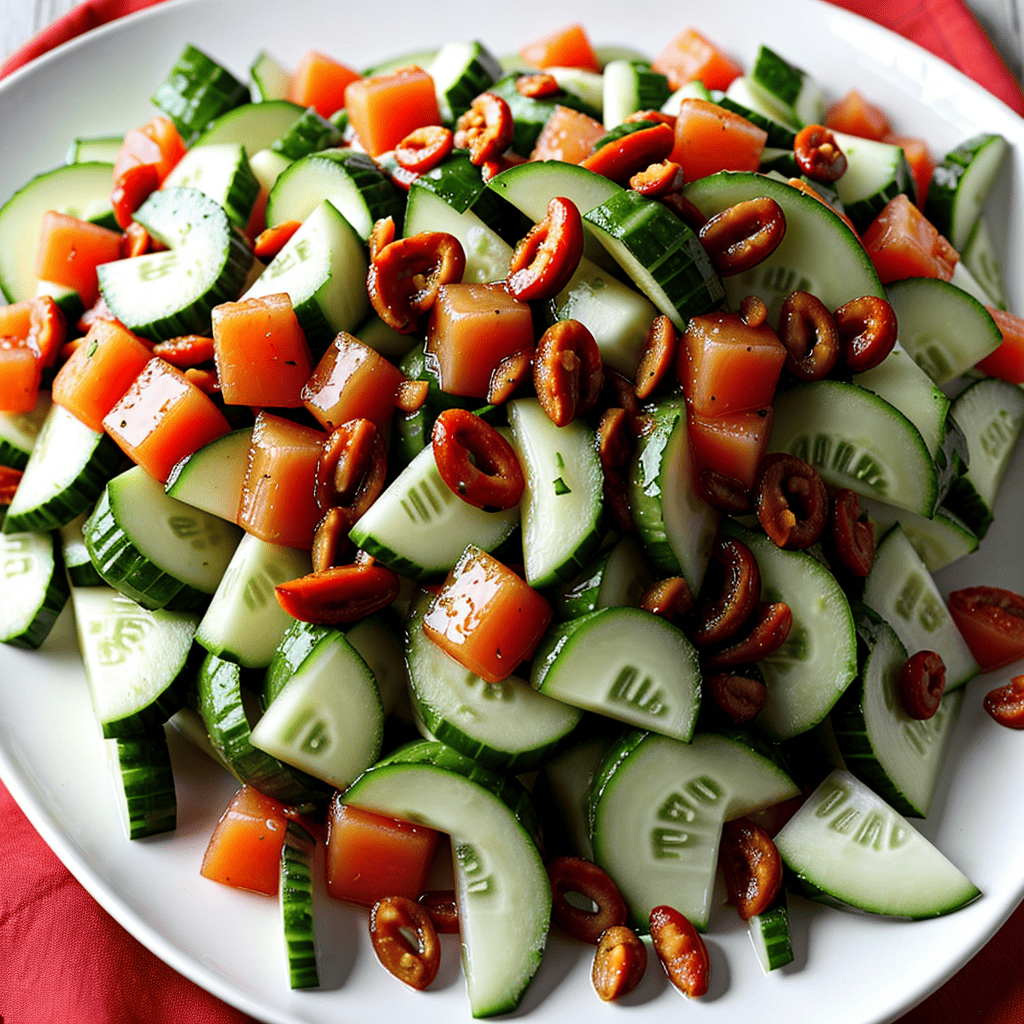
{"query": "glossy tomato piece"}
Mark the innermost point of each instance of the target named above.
(486, 616)
(352, 382)
(278, 502)
(733, 444)
(245, 848)
(1007, 362)
(569, 47)
(370, 856)
(385, 108)
(163, 417)
(156, 142)
(853, 115)
(901, 243)
(991, 621)
(472, 328)
(691, 56)
(726, 366)
(710, 138)
(21, 370)
(69, 251)
(320, 81)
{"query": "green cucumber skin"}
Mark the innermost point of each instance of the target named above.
(54, 597)
(296, 898)
(147, 781)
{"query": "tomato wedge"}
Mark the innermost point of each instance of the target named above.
(991, 621)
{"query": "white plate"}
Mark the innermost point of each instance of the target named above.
(849, 969)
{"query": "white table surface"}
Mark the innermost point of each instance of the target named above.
(1002, 19)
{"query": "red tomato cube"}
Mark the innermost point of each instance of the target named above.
(726, 366)
(472, 328)
(384, 109)
(903, 243)
(710, 138)
(370, 856)
(352, 382)
(732, 445)
(245, 848)
(21, 370)
(486, 617)
(162, 418)
(278, 502)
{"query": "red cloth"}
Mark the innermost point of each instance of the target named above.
(64, 959)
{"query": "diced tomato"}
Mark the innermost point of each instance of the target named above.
(1007, 362)
(568, 135)
(261, 352)
(732, 445)
(21, 371)
(991, 621)
(99, 372)
(245, 848)
(567, 48)
(383, 109)
(70, 250)
(163, 417)
(352, 382)
(855, 116)
(727, 366)
(710, 138)
(693, 57)
(472, 328)
(156, 142)
(370, 856)
(920, 160)
(486, 617)
(278, 502)
(319, 81)
(902, 243)
(39, 322)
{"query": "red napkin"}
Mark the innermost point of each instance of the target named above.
(63, 958)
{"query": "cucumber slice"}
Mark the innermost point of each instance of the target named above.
(980, 256)
(268, 166)
(461, 71)
(675, 525)
(378, 641)
(502, 889)
(626, 664)
(567, 778)
(856, 439)
(487, 254)
(618, 317)
(657, 809)
(155, 549)
(19, 431)
(101, 149)
(81, 190)
(419, 527)
(505, 726)
(35, 588)
(945, 329)
(80, 570)
(136, 660)
(530, 115)
(69, 466)
(322, 268)
(809, 672)
(961, 184)
(327, 719)
(221, 700)
(309, 133)
(694, 89)
(630, 86)
(220, 171)
(617, 576)
(899, 757)
(769, 933)
(142, 765)
(991, 413)
(271, 80)
(244, 621)
(902, 591)
(819, 253)
(211, 477)
(196, 92)
(903, 384)
(848, 848)
(661, 255)
(295, 897)
(791, 91)
(349, 179)
(939, 541)
(298, 641)
(166, 294)
(876, 173)
(563, 499)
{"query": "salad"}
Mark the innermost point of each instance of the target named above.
(373, 537)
